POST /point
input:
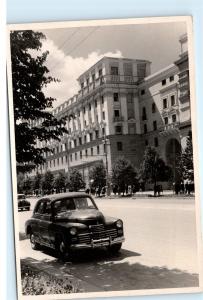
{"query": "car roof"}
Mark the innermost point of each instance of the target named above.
(60, 196)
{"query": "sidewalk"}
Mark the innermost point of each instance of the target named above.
(146, 194)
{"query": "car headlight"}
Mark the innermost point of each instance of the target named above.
(119, 224)
(73, 231)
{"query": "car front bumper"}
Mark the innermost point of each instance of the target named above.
(99, 243)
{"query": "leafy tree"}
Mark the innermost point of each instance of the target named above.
(185, 164)
(20, 182)
(27, 185)
(47, 182)
(33, 121)
(60, 182)
(123, 173)
(98, 175)
(75, 181)
(153, 168)
(37, 182)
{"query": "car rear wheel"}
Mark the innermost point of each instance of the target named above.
(114, 249)
(34, 244)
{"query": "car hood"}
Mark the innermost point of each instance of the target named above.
(87, 216)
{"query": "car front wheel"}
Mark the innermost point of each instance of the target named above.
(34, 244)
(62, 249)
(114, 249)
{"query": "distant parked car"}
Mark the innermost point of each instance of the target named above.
(71, 221)
(23, 203)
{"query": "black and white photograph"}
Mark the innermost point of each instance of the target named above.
(104, 158)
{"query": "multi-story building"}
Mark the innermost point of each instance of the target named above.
(120, 109)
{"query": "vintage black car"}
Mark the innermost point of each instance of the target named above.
(23, 203)
(70, 221)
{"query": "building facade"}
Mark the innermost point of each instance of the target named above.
(120, 109)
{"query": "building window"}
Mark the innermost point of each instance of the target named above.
(95, 103)
(83, 110)
(96, 134)
(75, 143)
(118, 129)
(50, 163)
(103, 115)
(116, 113)
(102, 99)
(76, 156)
(62, 160)
(153, 108)
(91, 151)
(54, 162)
(142, 92)
(173, 118)
(87, 81)
(172, 100)
(100, 72)
(93, 77)
(163, 82)
(105, 148)
(103, 131)
(154, 125)
(156, 142)
(80, 141)
(144, 114)
(71, 157)
(115, 97)
(171, 78)
(61, 148)
(90, 134)
(166, 120)
(97, 118)
(97, 149)
(119, 146)
(80, 154)
(145, 128)
(66, 158)
(58, 161)
(85, 139)
(89, 106)
(86, 152)
(85, 123)
(131, 128)
(114, 70)
(146, 143)
(82, 85)
(164, 103)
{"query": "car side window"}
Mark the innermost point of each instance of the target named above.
(47, 208)
(40, 207)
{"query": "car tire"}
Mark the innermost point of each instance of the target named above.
(34, 244)
(114, 249)
(62, 249)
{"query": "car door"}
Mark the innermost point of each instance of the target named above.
(36, 220)
(46, 228)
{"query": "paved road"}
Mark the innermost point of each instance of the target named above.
(159, 252)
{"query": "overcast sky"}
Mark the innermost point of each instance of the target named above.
(74, 50)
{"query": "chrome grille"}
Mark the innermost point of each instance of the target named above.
(96, 228)
(97, 234)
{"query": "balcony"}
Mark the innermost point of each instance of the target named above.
(118, 119)
(106, 79)
(168, 129)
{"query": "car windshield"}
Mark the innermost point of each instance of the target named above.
(20, 197)
(65, 205)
